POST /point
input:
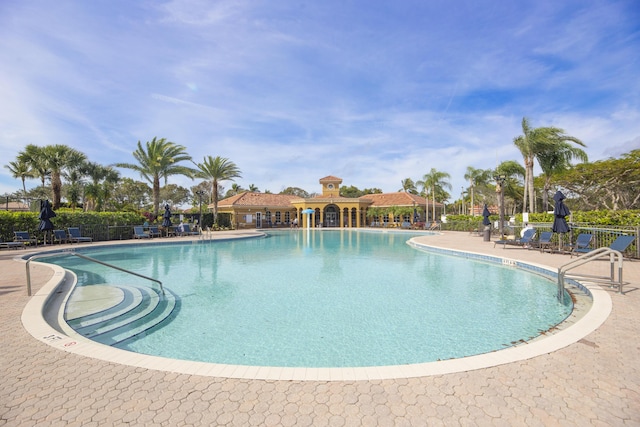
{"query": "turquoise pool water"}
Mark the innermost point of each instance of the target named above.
(329, 299)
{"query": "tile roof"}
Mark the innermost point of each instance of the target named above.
(330, 178)
(257, 199)
(401, 198)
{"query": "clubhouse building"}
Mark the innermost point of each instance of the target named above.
(329, 209)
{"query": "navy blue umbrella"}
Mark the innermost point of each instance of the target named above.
(560, 212)
(166, 217)
(46, 213)
(485, 214)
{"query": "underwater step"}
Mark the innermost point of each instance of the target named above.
(134, 311)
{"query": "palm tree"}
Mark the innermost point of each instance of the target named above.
(514, 174)
(531, 143)
(159, 160)
(408, 186)
(59, 157)
(253, 188)
(215, 170)
(476, 177)
(435, 182)
(557, 158)
(21, 169)
(34, 157)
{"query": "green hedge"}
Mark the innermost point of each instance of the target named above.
(619, 218)
(28, 221)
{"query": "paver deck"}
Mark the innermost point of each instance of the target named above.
(595, 381)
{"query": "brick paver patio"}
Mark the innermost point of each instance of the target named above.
(595, 381)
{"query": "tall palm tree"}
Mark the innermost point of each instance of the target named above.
(58, 158)
(476, 177)
(531, 143)
(21, 169)
(159, 160)
(435, 182)
(215, 170)
(556, 159)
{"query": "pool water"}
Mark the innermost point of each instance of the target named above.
(342, 298)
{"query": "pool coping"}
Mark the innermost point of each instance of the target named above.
(37, 316)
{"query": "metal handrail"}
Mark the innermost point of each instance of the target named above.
(590, 256)
(88, 259)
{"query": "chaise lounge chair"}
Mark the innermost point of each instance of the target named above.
(186, 231)
(582, 244)
(60, 236)
(526, 239)
(75, 236)
(620, 244)
(139, 233)
(544, 241)
(11, 245)
(25, 238)
(154, 231)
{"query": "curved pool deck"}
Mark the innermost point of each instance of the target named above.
(583, 377)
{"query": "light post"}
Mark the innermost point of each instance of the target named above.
(500, 190)
(200, 193)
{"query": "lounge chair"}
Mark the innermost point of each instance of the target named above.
(582, 244)
(154, 231)
(525, 240)
(620, 244)
(25, 238)
(11, 245)
(434, 226)
(60, 236)
(139, 233)
(544, 241)
(75, 236)
(186, 231)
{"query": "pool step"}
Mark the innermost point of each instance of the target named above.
(139, 310)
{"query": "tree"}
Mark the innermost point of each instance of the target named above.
(476, 177)
(514, 175)
(103, 178)
(58, 158)
(33, 156)
(435, 182)
(253, 188)
(21, 169)
(408, 186)
(531, 143)
(611, 184)
(554, 160)
(234, 190)
(215, 170)
(159, 161)
(295, 191)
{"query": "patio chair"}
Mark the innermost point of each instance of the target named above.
(525, 240)
(139, 233)
(25, 238)
(154, 231)
(75, 236)
(11, 245)
(582, 244)
(544, 241)
(60, 236)
(186, 230)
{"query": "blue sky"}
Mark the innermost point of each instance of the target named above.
(292, 91)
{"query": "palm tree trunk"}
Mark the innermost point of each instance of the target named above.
(156, 195)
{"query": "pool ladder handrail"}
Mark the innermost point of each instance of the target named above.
(590, 256)
(71, 252)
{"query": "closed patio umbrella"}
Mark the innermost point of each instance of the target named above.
(166, 218)
(560, 212)
(46, 213)
(487, 223)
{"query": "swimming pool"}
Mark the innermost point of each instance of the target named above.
(329, 298)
